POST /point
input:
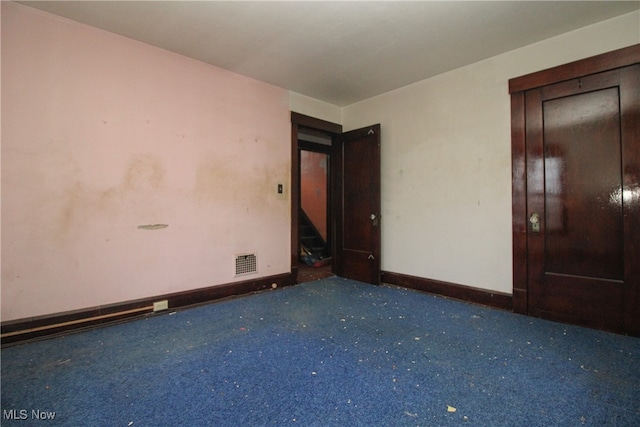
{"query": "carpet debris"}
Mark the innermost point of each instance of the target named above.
(274, 360)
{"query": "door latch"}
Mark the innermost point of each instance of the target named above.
(534, 219)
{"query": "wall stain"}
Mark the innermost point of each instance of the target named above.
(234, 182)
(239, 180)
(141, 189)
(145, 171)
(73, 198)
(152, 226)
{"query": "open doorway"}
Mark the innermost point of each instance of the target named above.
(352, 166)
(314, 214)
(312, 227)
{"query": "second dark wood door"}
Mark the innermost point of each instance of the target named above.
(582, 165)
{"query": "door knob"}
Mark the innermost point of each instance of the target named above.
(534, 219)
(374, 219)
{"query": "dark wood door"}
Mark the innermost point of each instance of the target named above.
(582, 183)
(357, 189)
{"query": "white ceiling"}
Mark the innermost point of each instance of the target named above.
(344, 51)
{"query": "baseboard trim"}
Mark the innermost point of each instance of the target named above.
(21, 330)
(450, 290)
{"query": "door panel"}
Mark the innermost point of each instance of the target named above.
(582, 160)
(358, 220)
(580, 235)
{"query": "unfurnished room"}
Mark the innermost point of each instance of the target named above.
(369, 213)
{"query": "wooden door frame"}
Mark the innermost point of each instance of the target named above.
(517, 87)
(299, 121)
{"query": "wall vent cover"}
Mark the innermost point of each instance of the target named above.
(246, 264)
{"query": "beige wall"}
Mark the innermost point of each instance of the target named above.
(102, 134)
(446, 159)
(315, 108)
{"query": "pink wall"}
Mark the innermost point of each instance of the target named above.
(101, 134)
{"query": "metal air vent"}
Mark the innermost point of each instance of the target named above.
(246, 264)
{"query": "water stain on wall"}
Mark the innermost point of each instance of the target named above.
(247, 176)
(72, 200)
(81, 204)
(145, 171)
(237, 182)
(234, 184)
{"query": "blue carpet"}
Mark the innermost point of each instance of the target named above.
(328, 353)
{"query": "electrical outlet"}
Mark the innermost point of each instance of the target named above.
(161, 305)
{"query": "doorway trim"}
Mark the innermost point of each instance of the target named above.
(517, 87)
(299, 121)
